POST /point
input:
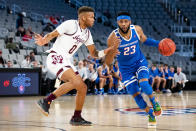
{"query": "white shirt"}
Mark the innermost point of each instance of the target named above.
(92, 75)
(71, 38)
(25, 64)
(82, 72)
(180, 77)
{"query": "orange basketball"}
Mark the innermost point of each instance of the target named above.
(167, 47)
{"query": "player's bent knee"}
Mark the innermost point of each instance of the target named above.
(146, 87)
(140, 101)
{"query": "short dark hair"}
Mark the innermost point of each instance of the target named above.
(123, 13)
(31, 52)
(85, 9)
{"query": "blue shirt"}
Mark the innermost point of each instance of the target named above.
(160, 74)
(130, 53)
(171, 74)
(153, 73)
(166, 74)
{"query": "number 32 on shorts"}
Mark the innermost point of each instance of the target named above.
(127, 50)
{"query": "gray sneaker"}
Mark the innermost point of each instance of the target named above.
(44, 106)
(79, 121)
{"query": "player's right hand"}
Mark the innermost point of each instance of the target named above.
(39, 40)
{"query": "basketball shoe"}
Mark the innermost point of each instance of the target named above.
(157, 109)
(79, 121)
(44, 106)
(152, 121)
(102, 91)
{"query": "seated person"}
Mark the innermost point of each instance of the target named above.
(162, 78)
(103, 72)
(12, 46)
(170, 79)
(179, 81)
(116, 76)
(9, 64)
(92, 79)
(27, 36)
(154, 77)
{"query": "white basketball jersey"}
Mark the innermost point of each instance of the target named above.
(71, 38)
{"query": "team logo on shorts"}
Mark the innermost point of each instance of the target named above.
(57, 59)
(167, 110)
(21, 82)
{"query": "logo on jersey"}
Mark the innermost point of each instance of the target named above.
(57, 59)
(167, 110)
(21, 81)
(78, 39)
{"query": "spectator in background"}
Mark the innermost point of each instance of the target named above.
(103, 72)
(19, 20)
(2, 61)
(170, 80)
(12, 46)
(91, 79)
(116, 76)
(35, 64)
(75, 62)
(53, 20)
(85, 63)
(30, 30)
(26, 62)
(179, 81)
(154, 77)
(9, 64)
(46, 20)
(20, 32)
(27, 36)
(82, 70)
(32, 56)
(162, 78)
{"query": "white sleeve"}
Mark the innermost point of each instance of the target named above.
(90, 39)
(67, 27)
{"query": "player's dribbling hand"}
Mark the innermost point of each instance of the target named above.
(39, 40)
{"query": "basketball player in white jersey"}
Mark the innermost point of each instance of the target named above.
(71, 34)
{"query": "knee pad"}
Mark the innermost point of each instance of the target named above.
(146, 87)
(140, 102)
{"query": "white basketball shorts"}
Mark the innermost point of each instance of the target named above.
(57, 64)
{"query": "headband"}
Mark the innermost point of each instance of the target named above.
(123, 17)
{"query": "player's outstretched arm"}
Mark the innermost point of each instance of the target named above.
(112, 41)
(39, 40)
(144, 39)
(97, 54)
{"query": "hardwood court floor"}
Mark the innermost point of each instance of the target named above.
(108, 113)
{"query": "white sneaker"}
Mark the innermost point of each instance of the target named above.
(168, 91)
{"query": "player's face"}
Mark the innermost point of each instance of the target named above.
(124, 25)
(89, 19)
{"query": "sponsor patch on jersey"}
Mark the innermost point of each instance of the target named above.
(167, 110)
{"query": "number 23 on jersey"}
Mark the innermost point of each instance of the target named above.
(129, 50)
